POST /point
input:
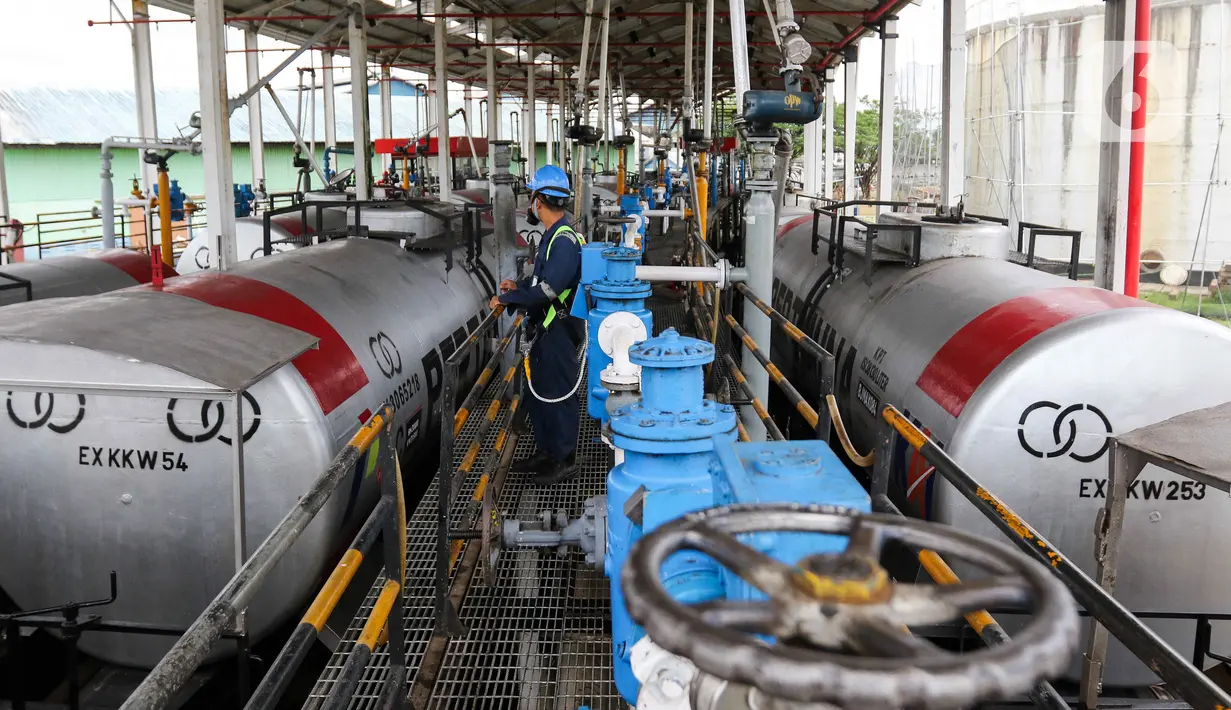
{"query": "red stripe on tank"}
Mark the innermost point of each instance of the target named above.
(332, 370)
(133, 263)
(292, 223)
(978, 348)
(782, 230)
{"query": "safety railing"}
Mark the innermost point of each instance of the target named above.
(1185, 678)
(374, 439)
(1029, 232)
(10, 282)
(449, 542)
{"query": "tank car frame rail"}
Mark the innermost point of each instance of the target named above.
(9, 282)
(1194, 445)
(1193, 685)
(375, 439)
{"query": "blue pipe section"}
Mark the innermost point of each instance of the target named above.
(618, 290)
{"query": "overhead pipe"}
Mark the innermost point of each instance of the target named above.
(645, 14)
(107, 196)
(1137, 151)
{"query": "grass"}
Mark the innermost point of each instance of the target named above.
(1211, 308)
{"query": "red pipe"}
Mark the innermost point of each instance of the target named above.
(1137, 151)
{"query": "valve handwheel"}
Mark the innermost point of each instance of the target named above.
(846, 621)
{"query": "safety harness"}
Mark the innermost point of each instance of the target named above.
(559, 302)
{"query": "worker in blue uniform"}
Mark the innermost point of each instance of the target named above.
(552, 369)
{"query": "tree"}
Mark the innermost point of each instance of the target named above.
(867, 141)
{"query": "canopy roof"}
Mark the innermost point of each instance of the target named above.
(646, 39)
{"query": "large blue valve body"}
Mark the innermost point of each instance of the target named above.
(681, 457)
(609, 275)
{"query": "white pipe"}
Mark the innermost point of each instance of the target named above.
(386, 102)
(827, 187)
(579, 101)
(722, 273)
(143, 83)
(663, 213)
(851, 107)
(605, 33)
(474, 160)
(445, 175)
(331, 112)
(107, 196)
(256, 137)
(707, 98)
(295, 132)
(739, 50)
(889, 88)
(529, 118)
(493, 94)
(688, 60)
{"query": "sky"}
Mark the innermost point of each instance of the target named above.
(100, 56)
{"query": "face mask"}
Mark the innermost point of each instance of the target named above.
(531, 217)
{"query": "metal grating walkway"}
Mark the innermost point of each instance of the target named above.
(538, 639)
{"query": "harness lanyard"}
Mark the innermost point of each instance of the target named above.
(551, 317)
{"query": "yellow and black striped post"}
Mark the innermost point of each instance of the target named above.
(774, 432)
(357, 661)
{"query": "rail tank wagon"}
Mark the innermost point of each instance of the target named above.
(78, 274)
(143, 486)
(1022, 377)
(288, 230)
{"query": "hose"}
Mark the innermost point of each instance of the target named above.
(581, 371)
(864, 460)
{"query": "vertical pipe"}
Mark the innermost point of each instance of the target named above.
(561, 147)
(445, 174)
(1112, 222)
(164, 215)
(579, 101)
(358, 41)
(238, 491)
(707, 98)
(528, 115)
(739, 50)
(216, 129)
(256, 134)
(953, 103)
(1137, 151)
(6, 217)
(386, 102)
(851, 64)
(812, 152)
(604, 34)
(688, 47)
(548, 146)
(759, 261)
(830, 99)
(889, 93)
(331, 111)
(143, 80)
(493, 93)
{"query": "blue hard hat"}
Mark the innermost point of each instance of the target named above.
(550, 180)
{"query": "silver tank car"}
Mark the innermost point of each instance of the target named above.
(143, 486)
(1022, 377)
(287, 230)
(78, 274)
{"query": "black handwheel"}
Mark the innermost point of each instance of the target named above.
(827, 604)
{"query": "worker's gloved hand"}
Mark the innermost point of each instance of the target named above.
(507, 285)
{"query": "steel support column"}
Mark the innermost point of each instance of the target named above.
(362, 131)
(953, 104)
(331, 110)
(1119, 28)
(739, 52)
(444, 173)
(216, 129)
(850, 63)
(889, 94)
(528, 117)
(143, 85)
(386, 102)
(256, 133)
(828, 167)
(812, 152)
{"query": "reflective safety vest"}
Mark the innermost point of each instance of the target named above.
(562, 299)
